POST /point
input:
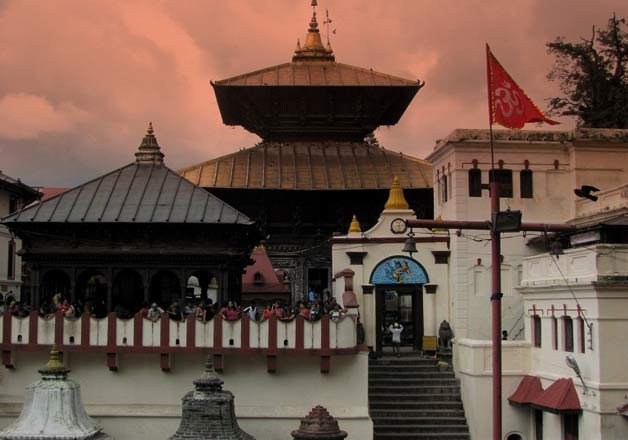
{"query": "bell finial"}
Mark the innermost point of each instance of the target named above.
(313, 47)
(396, 199)
(149, 151)
(355, 225)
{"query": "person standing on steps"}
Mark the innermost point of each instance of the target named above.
(395, 329)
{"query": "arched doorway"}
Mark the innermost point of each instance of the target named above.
(53, 282)
(91, 288)
(202, 285)
(164, 288)
(128, 291)
(398, 284)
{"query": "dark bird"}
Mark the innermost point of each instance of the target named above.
(585, 192)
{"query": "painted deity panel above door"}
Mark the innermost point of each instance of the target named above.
(399, 270)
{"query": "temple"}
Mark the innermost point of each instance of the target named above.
(318, 163)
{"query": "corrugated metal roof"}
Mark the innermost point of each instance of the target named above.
(561, 396)
(136, 193)
(17, 186)
(311, 165)
(529, 389)
(315, 74)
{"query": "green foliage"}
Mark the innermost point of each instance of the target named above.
(593, 76)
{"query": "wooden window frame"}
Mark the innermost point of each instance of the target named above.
(526, 184)
(537, 334)
(568, 339)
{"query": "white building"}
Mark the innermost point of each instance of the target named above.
(13, 196)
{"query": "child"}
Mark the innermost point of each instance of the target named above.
(396, 330)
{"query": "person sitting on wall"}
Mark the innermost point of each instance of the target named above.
(200, 311)
(65, 307)
(251, 311)
(174, 311)
(337, 313)
(230, 312)
(277, 310)
(154, 314)
(209, 310)
(315, 311)
(304, 311)
(395, 329)
(311, 295)
(57, 300)
(46, 311)
(190, 309)
(121, 312)
(266, 314)
(20, 311)
(144, 310)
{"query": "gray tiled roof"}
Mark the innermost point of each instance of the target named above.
(136, 193)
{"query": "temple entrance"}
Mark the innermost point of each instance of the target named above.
(402, 304)
(398, 284)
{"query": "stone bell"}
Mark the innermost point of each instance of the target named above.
(53, 409)
(208, 411)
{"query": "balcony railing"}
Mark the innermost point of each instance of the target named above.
(111, 335)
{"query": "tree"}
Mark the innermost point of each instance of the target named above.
(593, 77)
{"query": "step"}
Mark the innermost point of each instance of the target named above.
(426, 389)
(414, 397)
(417, 382)
(400, 420)
(396, 405)
(411, 427)
(410, 374)
(418, 413)
(421, 436)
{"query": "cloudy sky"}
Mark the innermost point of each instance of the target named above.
(80, 80)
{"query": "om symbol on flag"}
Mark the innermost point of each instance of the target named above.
(508, 100)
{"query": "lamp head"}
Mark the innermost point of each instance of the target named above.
(572, 363)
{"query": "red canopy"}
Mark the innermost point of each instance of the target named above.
(529, 389)
(559, 397)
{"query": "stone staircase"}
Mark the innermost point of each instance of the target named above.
(409, 398)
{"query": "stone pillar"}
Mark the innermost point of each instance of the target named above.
(319, 425)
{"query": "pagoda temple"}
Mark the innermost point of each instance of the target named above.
(318, 163)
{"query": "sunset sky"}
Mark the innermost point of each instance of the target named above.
(79, 81)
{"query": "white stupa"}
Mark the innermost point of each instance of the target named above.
(53, 409)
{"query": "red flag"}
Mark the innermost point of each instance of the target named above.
(508, 104)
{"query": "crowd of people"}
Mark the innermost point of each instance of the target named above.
(203, 310)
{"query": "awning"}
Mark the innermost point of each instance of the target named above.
(559, 397)
(528, 390)
(622, 410)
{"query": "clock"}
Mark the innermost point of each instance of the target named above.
(398, 226)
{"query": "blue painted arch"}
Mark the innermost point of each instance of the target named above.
(399, 269)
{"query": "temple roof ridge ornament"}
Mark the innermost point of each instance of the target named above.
(355, 225)
(149, 151)
(313, 48)
(396, 199)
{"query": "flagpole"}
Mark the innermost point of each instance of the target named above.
(496, 294)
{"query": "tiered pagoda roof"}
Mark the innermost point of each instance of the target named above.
(314, 97)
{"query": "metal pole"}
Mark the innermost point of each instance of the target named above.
(496, 305)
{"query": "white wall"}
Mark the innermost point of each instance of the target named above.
(141, 402)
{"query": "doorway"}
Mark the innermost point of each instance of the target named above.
(403, 304)
(318, 281)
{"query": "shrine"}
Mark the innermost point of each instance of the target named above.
(318, 163)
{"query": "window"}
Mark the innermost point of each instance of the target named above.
(504, 179)
(443, 189)
(581, 335)
(538, 424)
(258, 278)
(570, 426)
(525, 181)
(12, 205)
(11, 260)
(568, 333)
(554, 333)
(475, 182)
(536, 330)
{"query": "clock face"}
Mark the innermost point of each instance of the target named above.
(398, 226)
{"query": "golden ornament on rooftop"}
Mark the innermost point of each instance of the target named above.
(396, 199)
(355, 225)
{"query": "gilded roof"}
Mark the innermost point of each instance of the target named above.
(311, 165)
(316, 73)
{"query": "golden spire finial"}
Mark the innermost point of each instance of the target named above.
(54, 363)
(149, 130)
(396, 199)
(355, 225)
(313, 47)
